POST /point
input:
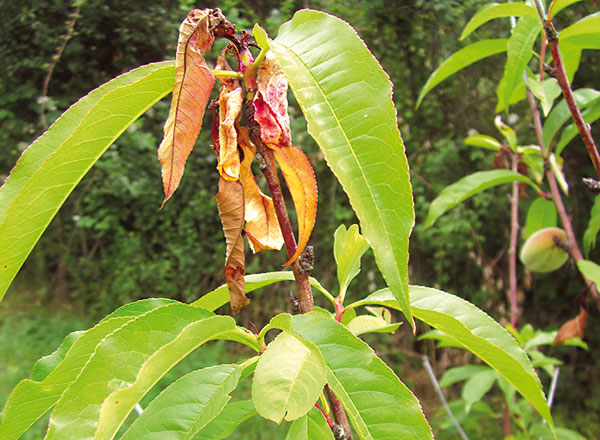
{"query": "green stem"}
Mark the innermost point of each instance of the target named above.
(226, 74)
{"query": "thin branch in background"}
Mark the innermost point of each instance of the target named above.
(512, 251)
(44, 97)
(438, 390)
(573, 248)
(552, 390)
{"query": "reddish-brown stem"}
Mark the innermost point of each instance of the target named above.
(572, 248)
(563, 82)
(506, 421)
(339, 415)
(512, 251)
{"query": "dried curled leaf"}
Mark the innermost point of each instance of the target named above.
(573, 328)
(191, 92)
(230, 106)
(270, 104)
(262, 226)
(230, 201)
(300, 178)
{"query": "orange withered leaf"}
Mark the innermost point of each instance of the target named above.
(262, 226)
(300, 179)
(191, 92)
(574, 328)
(230, 106)
(270, 103)
(230, 201)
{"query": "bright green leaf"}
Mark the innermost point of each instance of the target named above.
(495, 10)
(477, 386)
(562, 4)
(349, 246)
(477, 332)
(558, 173)
(590, 270)
(541, 214)
(379, 321)
(31, 399)
(458, 374)
(50, 168)
(483, 141)
(590, 115)
(377, 403)
(127, 363)
(443, 340)
(461, 59)
(589, 236)
(519, 52)
(311, 426)
(545, 91)
(288, 379)
(506, 131)
(223, 425)
(346, 98)
(585, 33)
(467, 187)
(561, 114)
(45, 365)
(187, 405)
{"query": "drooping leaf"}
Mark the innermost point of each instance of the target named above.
(589, 236)
(230, 201)
(556, 168)
(495, 10)
(590, 270)
(545, 91)
(31, 398)
(270, 104)
(519, 52)
(561, 114)
(351, 116)
(230, 106)
(477, 332)
(127, 363)
(349, 246)
(223, 425)
(50, 168)
(506, 131)
(191, 92)
(377, 403)
(541, 214)
(262, 226)
(573, 328)
(483, 141)
(559, 5)
(186, 406)
(311, 426)
(288, 380)
(461, 59)
(300, 179)
(467, 187)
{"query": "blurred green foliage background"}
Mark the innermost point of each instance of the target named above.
(110, 243)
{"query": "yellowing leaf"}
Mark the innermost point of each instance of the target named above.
(230, 201)
(262, 226)
(270, 103)
(300, 179)
(230, 106)
(191, 92)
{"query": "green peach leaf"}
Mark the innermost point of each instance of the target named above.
(541, 214)
(51, 167)
(223, 425)
(311, 426)
(589, 236)
(477, 332)
(349, 246)
(493, 11)
(186, 406)
(288, 380)
(346, 98)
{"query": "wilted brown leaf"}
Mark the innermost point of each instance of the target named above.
(573, 328)
(230, 106)
(191, 92)
(270, 104)
(300, 179)
(230, 201)
(262, 226)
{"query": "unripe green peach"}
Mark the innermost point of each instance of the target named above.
(542, 253)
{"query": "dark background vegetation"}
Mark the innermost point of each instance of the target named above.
(110, 243)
